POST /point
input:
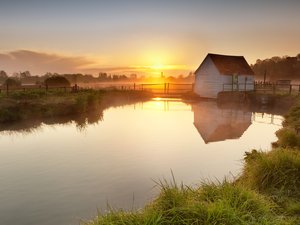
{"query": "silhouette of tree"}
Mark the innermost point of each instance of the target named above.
(3, 74)
(277, 68)
(57, 81)
(25, 74)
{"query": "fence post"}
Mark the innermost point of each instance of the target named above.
(134, 86)
(46, 87)
(7, 88)
(165, 88)
(290, 89)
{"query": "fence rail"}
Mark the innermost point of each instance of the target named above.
(268, 88)
(155, 88)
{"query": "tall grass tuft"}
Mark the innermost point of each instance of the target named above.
(273, 172)
(287, 138)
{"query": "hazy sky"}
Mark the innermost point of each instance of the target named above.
(142, 36)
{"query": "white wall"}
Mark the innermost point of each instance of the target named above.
(208, 81)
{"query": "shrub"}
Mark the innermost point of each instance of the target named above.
(56, 81)
(11, 82)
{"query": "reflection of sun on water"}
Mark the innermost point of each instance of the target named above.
(166, 104)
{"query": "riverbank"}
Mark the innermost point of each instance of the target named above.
(33, 107)
(267, 191)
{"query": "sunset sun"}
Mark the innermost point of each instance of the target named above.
(158, 66)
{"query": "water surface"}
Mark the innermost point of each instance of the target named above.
(58, 174)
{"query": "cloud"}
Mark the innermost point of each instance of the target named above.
(40, 62)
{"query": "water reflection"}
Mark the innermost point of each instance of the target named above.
(216, 124)
(32, 124)
(57, 174)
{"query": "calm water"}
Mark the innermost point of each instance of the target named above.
(58, 174)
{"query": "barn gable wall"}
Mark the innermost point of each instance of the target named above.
(208, 80)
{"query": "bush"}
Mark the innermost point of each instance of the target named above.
(11, 82)
(57, 81)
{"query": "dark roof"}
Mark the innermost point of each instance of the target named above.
(229, 65)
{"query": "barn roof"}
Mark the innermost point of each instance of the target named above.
(229, 65)
(224, 132)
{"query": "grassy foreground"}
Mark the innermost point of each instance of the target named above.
(267, 192)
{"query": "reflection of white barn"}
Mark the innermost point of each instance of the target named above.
(223, 73)
(215, 124)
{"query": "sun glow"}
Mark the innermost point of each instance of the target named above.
(158, 66)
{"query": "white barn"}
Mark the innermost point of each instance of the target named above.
(219, 73)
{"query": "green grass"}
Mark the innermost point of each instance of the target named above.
(273, 172)
(223, 203)
(289, 135)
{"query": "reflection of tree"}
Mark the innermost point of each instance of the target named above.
(31, 125)
(82, 120)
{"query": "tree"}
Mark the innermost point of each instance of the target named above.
(25, 74)
(3, 74)
(102, 76)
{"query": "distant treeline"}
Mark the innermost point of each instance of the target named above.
(278, 68)
(26, 78)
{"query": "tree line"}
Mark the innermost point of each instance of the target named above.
(277, 68)
(26, 77)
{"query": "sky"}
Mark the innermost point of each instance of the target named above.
(142, 37)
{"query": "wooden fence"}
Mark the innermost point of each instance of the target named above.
(268, 88)
(154, 88)
(8, 89)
